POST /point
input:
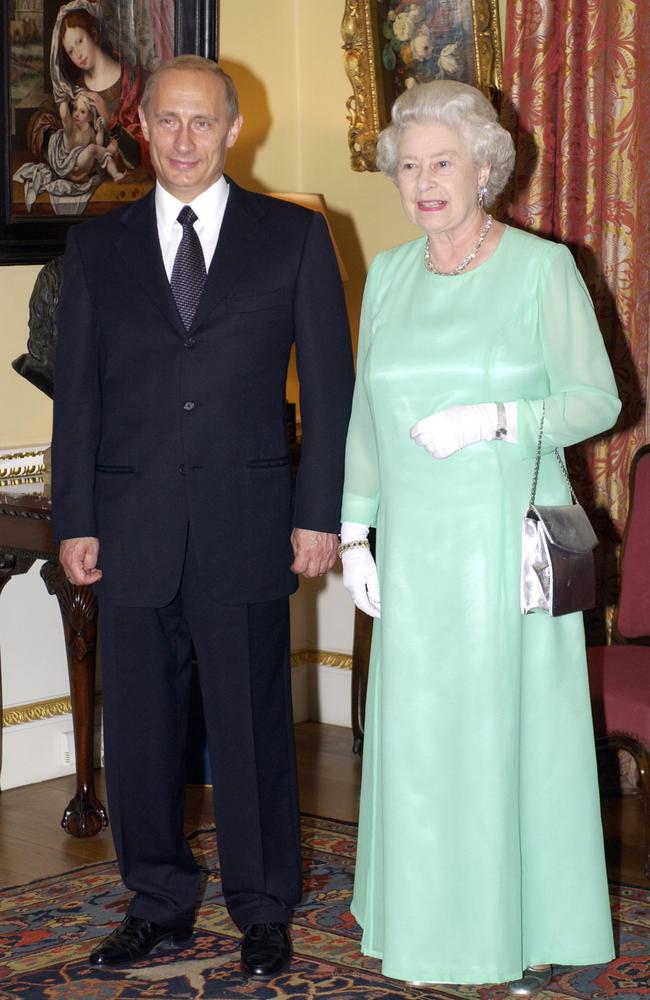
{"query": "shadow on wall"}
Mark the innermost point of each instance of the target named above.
(240, 164)
(254, 105)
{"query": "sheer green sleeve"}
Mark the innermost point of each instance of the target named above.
(582, 399)
(361, 489)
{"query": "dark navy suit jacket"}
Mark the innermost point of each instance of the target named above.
(156, 427)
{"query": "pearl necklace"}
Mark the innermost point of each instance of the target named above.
(430, 266)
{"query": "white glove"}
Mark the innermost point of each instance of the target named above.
(359, 570)
(449, 430)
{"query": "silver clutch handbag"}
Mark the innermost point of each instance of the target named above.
(558, 574)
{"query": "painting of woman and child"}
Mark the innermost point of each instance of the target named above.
(77, 71)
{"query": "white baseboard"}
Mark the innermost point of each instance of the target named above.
(36, 751)
(40, 750)
(321, 694)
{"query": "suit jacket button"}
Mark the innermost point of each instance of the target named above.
(189, 406)
(190, 342)
(181, 469)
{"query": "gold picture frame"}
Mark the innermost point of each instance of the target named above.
(389, 43)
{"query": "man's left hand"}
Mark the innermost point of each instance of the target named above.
(314, 551)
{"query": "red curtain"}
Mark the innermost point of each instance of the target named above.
(577, 101)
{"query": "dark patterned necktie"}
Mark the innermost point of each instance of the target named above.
(188, 272)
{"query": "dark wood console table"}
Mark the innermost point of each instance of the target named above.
(360, 664)
(26, 535)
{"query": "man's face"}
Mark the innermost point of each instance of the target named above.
(188, 129)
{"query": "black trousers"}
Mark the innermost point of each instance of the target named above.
(242, 653)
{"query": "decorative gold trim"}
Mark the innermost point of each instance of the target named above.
(359, 60)
(12, 456)
(321, 657)
(15, 474)
(36, 712)
(21, 480)
(367, 112)
(487, 46)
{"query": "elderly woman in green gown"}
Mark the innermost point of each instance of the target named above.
(480, 853)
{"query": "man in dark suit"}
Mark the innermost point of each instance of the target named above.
(172, 490)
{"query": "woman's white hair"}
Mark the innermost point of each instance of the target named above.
(458, 106)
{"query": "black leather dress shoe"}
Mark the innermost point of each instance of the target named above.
(265, 950)
(134, 939)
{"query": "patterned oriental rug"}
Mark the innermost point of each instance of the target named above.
(48, 927)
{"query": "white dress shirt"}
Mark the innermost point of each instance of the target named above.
(209, 208)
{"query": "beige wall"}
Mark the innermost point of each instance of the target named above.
(25, 413)
(286, 58)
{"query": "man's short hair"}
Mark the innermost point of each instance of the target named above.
(200, 65)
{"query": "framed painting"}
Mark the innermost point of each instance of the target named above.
(391, 44)
(71, 78)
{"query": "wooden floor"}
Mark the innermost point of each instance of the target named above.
(33, 845)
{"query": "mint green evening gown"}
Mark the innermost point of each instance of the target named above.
(480, 840)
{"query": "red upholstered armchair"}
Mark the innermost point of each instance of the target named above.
(619, 675)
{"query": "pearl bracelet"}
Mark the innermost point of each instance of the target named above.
(360, 543)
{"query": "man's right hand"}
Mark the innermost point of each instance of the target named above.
(78, 556)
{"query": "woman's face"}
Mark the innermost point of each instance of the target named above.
(437, 179)
(80, 48)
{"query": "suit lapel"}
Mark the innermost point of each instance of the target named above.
(241, 233)
(139, 246)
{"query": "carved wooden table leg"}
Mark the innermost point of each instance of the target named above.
(7, 568)
(13, 564)
(85, 815)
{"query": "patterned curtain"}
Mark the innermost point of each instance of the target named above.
(577, 102)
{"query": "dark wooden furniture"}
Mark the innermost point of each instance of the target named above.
(360, 663)
(26, 535)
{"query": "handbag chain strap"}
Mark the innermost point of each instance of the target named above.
(538, 457)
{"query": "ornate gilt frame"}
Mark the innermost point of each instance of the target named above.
(367, 112)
